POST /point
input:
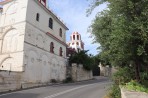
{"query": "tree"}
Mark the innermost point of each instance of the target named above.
(82, 58)
(122, 31)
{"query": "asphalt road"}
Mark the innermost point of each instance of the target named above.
(87, 89)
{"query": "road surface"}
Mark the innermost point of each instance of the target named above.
(96, 88)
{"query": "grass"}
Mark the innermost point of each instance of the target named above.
(135, 86)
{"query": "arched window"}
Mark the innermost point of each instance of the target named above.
(37, 17)
(51, 47)
(60, 32)
(77, 43)
(50, 23)
(73, 37)
(60, 51)
(77, 37)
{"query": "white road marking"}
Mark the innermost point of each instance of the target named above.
(57, 94)
(61, 93)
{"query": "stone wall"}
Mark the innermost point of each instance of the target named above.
(78, 73)
(106, 70)
(10, 80)
(132, 94)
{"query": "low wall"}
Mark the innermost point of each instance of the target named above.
(78, 73)
(132, 94)
(107, 71)
(9, 81)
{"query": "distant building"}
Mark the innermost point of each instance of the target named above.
(76, 42)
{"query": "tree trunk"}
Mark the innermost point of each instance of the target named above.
(137, 71)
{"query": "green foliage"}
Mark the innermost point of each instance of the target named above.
(144, 78)
(123, 75)
(135, 86)
(82, 58)
(114, 91)
(144, 75)
(122, 31)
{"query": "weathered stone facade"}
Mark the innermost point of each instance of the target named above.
(25, 56)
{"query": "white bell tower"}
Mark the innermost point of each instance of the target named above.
(76, 42)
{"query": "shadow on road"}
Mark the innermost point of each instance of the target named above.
(94, 80)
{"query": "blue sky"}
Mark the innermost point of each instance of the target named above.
(73, 13)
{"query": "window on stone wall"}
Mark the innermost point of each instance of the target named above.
(60, 32)
(37, 17)
(50, 23)
(60, 51)
(52, 47)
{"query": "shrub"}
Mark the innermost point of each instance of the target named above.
(82, 58)
(123, 75)
(114, 91)
(133, 85)
(144, 75)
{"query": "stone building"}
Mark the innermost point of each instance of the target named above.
(32, 42)
(76, 42)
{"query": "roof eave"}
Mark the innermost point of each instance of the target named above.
(6, 1)
(53, 15)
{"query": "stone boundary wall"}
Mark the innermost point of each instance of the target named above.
(10, 81)
(78, 73)
(107, 71)
(132, 94)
